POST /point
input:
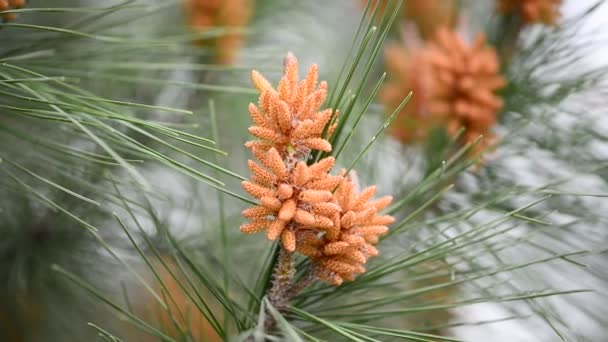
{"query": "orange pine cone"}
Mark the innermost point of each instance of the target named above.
(180, 311)
(289, 118)
(323, 217)
(230, 14)
(299, 198)
(341, 253)
(409, 70)
(426, 15)
(292, 195)
(431, 15)
(465, 79)
(6, 5)
(533, 11)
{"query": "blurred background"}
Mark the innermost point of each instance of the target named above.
(122, 126)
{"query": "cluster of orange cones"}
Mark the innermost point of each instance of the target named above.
(532, 11)
(203, 15)
(6, 5)
(455, 82)
(320, 215)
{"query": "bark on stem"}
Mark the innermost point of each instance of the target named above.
(282, 279)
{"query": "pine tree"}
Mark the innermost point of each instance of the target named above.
(400, 172)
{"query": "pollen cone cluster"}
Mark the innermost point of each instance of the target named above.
(320, 215)
(465, 79)
(6, 5)
(409, 70)
(426, 15)
(341, 254)
(180, 313)
(292, 195)
(431, 15)
(288, 118)
(532, 11)
(222, 14)
(290, 200)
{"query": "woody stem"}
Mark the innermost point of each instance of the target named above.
(301, 285)
(282, 279)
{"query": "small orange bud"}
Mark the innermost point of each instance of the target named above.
(255, 226)
(371, 250)
(288, 210)
(335, 248)
(371, 230)
(320, 121)
(260, 83)
(304, 218)
(275, 229)
(372, 239)
(276, 164)
(315, 196)
(322, 166)
(339, 267)
(257, 212)
(317, 144)
(382, 220)
(355, 256)
(272, 203)
(288, 238)
(365, 215)
(301, 174)
(311, 79)
(257, 117)
(365, 196)
(284, 116)
(382, 202)
(353, 240)
(257, 191)
(260, 175)
(327, 183)
(323, 222)
(326, 208)
(267, 134)
(284, 191)
(348, 220)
